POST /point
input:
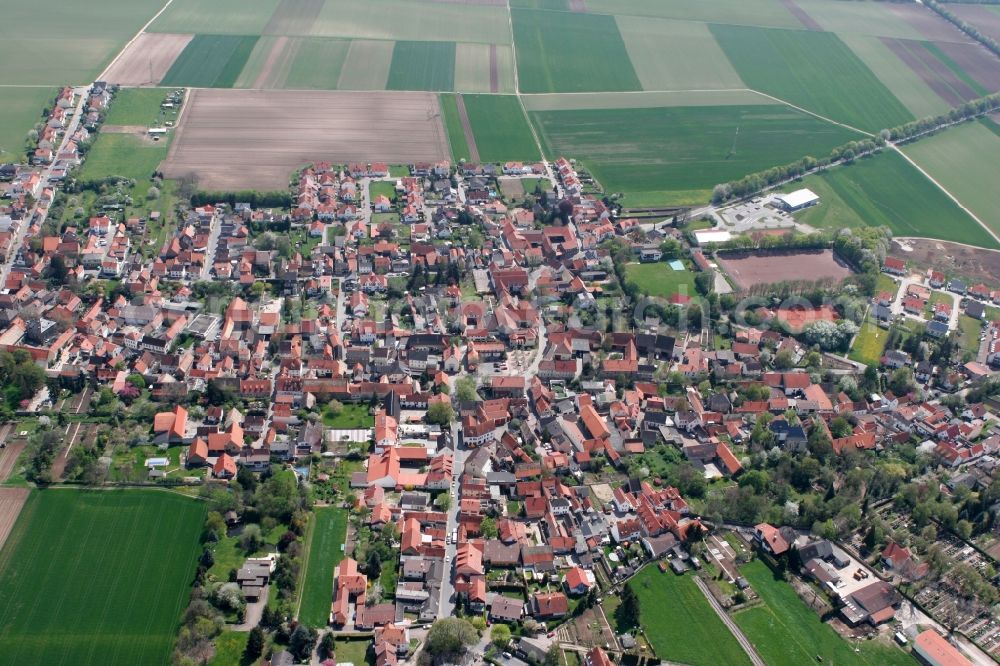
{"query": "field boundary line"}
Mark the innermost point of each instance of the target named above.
(812, 113)
(132, 41)
(951, 196)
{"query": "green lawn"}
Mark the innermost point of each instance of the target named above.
(814, 70)
(328, 533)
(681, 153)
(97, 577)
(139, 106)
(886, 190)
(380, 187)
(501, 130)
(229, 647)
(570, 52)
(963, 159)
(211, 61)
(453, 125)
(123, 155)
(20, 109)
(969, 330)
(659, 279)
(422, 66)
(354, 651)
(679, 622)
(786, 631)
(869, 344)
(352, 416)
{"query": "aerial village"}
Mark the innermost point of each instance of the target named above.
(454, 353)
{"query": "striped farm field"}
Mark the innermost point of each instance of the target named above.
(453, 126)
(417, 21)
(885, 190)
(97, 577)
(859, 18)
(501, 130)
(300, 63)
(366, 66)
(964, 160)
(644, 100)
(567, 52)
(422, 66)
(676, 55)
(211, 61)
(484, 68)
(813, 70)
(686, 150)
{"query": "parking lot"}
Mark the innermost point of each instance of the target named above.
(756, 214)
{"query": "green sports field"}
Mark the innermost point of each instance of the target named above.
(453, 125)
(813, 70)
(97, 577)
(885, 190)
(659, 280)
(680, 624)
(328, 533)
(567, 52)
(787, 632)
(501, 130)
(422, 66)
(20, 109)
(964, 160)
(211, 61)
(682, 152)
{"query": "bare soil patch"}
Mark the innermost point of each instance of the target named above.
(494, 70)
(588, 630)
(807, 21)
(8, 458)
(147, 59)
(512, 188)
(972, 263)
(11, 502)
(976, 61)
(254, 139)
(294, 17)
(470, 137)
(754, 268)
(986, 21)
(927, 23)
(932, 71)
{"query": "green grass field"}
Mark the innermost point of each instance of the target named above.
(787, 632)
(234, 17)
(317, 64)
(566, 52)
(684, 150)
(963, 159)
(409, 20)
(813, 70)
(885, 190)
(366, 66)
(53, 42)
(97, 577)
(969, 330)
(352, 416)
(229, 647)
(139, 106)
(473, 65)
(453, 125)
(740, 12)
(659, 279)
(422, 66)
(865, 18)
(123, 155)
(869, 344)
(676, 55)
(680, 624)
(20, 109)
(501, 130)
(211, 61)
(328, 534)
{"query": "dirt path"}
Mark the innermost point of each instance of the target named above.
(470, 138)
(269, 64)
(8, 458)
(494, 70)
(11, 502)
(728, 621)
(72, 437)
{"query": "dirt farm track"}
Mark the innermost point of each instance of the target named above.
(11, 501)
(255, 139)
